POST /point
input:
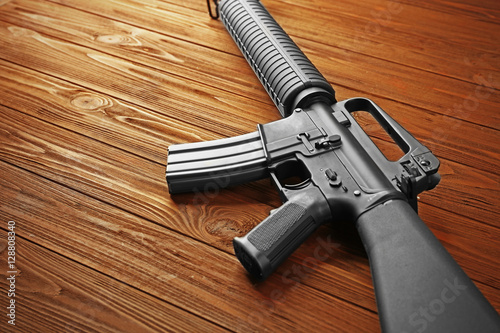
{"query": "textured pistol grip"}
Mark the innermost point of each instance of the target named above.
(267, 245)
(285, 72)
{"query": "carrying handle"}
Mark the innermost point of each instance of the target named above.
(267, 245)
(410, 146)
(284, 71)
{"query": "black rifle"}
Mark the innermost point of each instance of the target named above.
(326, 168)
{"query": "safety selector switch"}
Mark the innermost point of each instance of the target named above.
(333, 178)
(331, 141)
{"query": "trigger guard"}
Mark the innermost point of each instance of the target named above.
(298, 186)
(288, 170)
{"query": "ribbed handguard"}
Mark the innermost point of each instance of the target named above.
(285, 72)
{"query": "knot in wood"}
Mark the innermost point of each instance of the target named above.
(115, 39)
(90, 102)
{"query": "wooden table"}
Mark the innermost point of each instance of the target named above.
(92, 93)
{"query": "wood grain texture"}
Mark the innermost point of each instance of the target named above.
(59, 294)
(93, 92)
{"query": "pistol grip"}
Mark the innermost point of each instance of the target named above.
(267, 245)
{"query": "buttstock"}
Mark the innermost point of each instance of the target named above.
(418, 285)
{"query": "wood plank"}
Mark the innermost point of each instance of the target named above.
(118, 178)
(93, 114)
(110, 174)
(425, 90)
(91, 171)
(457, 99)
(463, 109)
(116, 122)
(455, 189)
(394, 31)
(58, 294)
(443, 223)
(486, 10)
(191, 61)
(480, 195)
(165, 264)
(94, 92)
(473, 214)
(405, 17)
(110, 75)
(344, 30)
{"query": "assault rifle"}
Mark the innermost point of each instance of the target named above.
(326, 168)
